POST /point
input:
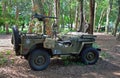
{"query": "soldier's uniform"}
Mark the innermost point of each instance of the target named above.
(30, 29)
(38, 26)
(35, 26)
(54, 30)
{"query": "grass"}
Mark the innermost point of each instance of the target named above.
(1, 55)
(5, 57)
(8, 52)
(70, 60)
(3, 60)
(95, 45)
(104, 55)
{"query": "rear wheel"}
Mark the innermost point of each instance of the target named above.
(39, 60)
(89, 56)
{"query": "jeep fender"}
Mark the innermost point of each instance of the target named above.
(40, 47)
(84, 44)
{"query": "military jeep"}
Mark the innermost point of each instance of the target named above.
(39, 48)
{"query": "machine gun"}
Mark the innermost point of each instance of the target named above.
(41, 17)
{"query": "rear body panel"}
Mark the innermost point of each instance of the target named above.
(28, 43)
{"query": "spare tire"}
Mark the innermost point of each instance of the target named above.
(16, 40)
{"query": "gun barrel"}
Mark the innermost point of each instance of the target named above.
(41, 17)
(51, 17)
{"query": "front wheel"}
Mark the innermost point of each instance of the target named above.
(39, 60)
(89, 56)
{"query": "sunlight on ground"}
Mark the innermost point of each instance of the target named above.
(116, 73)
(118, 45)
(105, 49)
(96, 33)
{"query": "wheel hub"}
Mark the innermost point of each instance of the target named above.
(40, 60)
(90, 56)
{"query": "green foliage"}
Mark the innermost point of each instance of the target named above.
(64, 31)
(69, 60)
(1, 55)
(9, 15)
(5, 58)
(3, 61)
(4, 32)
(67, 11)
(95, 45)
(105, 55)
(0, 10)
(8, 52)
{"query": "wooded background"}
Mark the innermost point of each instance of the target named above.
(74, 15)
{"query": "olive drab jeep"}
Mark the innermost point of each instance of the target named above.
(39, 48)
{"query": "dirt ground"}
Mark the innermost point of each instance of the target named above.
(108, 65)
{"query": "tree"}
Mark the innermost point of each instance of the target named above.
(37, 6)
(92, 6)
(48, 22)
(57, 10)
(118, 19)
(77, 16)
(81, 16)
(4, 10)
(100, 19)
(108, 15)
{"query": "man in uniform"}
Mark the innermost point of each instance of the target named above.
(31, 24)
(38, 26)
(54, 30)
(35, 26)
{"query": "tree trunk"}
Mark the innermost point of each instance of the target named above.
(81, 16)
(57, 10)
(7, 28)
(92, 6)
(49, 22)
(4, 13)
(76, 16)
(71, 23)
(37, 7)
(63, 22)
(17, 15)
(101, 16)
(107, 16)
(118, 19)
(95, 16)
(33, 6)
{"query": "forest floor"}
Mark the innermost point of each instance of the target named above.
(108, 66)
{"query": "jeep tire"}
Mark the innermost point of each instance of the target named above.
(16, 40)
(89, 56)
(39, 60)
